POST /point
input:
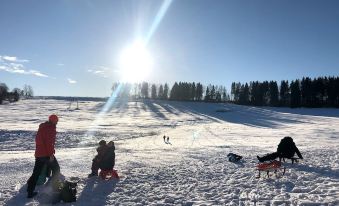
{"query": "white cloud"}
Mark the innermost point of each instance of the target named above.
(71, 81)
(100, 71)
(61, 64)
(8, 58)
(15, 66)
(37, 73)
(13, 59)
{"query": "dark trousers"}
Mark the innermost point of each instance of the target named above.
(40, 162)
(95, 165)
(271, 156)
(98, 163)
(274, 156)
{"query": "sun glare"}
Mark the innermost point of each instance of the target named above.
(135, 63)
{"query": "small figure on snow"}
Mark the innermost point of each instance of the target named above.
(167, 140)
(286, 149)
(98, 158)
(234, 157)
(108, 160)
(44, 153)
(164, 138)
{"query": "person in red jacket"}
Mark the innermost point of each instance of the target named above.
(44, 153)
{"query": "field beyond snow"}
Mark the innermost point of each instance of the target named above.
(192, 169)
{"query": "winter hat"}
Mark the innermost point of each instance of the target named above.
(102, 142)
(287, 138)
(53, 118)
(110, 143)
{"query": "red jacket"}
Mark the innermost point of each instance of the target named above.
(45, 140)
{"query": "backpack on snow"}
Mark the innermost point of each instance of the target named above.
(68, 191)
(234, 157)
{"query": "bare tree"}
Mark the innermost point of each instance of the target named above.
(28, 91)
(3, 91)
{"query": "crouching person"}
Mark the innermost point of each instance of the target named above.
(286, 149)
(97, 161)
(108, 160)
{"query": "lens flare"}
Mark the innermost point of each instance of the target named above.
(135, 63)
(160, 15)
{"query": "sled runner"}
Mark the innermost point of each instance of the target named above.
(270, 166)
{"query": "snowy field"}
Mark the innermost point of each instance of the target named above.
(192, 170)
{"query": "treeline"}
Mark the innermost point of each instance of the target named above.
(307, 92)
(15, 94)
(182, 91)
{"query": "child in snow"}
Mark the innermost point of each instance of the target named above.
(108, 160)
(286, 149)
(98, 158)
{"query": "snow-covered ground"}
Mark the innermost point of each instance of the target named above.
(192, 170)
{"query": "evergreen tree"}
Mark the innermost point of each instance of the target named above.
(257, 93)
(207, 95)
(295, 94)
(236, 92)
(306, 94)
(265, 93)
(3, 92)
(153, 91)
(212, 93)
(192, 91)
(318, 90)
(161, 92)
(244, 94)
(284, 93)
(332, 90)
(199, 92)
(224, 95)
(217, 96)
(322, 83)
(274, 94)
(166, 88)
(174, 91)
(321, 91)
(233, 91)
(337, 92)
(144, 90)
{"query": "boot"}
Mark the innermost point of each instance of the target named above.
(31, 194)
(260, 159)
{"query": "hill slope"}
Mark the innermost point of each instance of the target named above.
(192, 170)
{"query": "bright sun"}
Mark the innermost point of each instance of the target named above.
(135, 63)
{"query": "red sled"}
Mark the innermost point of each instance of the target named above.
(270, 166)
(109, 174)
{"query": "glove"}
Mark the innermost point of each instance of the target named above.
(51, 158)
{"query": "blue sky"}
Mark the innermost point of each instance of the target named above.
(72, 48)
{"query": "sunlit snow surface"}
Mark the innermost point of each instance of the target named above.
(192, 170)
